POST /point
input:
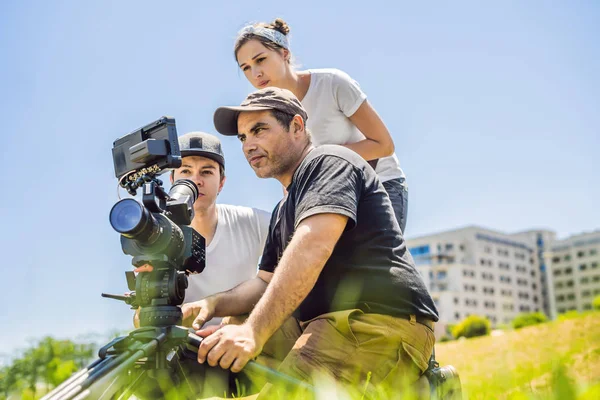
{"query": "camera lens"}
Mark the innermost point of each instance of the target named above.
(126, 216)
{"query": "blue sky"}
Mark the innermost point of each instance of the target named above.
(493, 109)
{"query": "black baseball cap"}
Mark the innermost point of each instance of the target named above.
(202, 144)
(270, 98)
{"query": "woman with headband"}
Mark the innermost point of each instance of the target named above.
(338, 110)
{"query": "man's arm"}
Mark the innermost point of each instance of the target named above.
(298, 270)
(239, 300)
(296, 274)
(242, 298)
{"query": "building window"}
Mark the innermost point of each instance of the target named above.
(456, 315)
(557, 272)
(421, 254)
(560, 298)
(456, 300)
(487, 276)
(555, 259)
(569, 283)
(462, 247)
(594, 265)
(568, 270)
(596, 278)
(585, 280)
(488, 290)
(567, 257)
(586, 293)
(580, 254)
(523, 296)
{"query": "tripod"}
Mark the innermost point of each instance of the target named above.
(149, 363)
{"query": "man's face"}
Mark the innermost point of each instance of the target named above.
(268, 147)
(204, 172)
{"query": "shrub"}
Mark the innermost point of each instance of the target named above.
(568, 315)
(596, 303)
(527, 319)
(472, 326)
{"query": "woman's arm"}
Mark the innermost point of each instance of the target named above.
(378, 142)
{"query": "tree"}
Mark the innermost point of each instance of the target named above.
(472, 326)
(49, 361)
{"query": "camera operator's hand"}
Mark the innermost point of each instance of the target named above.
(230, 347)
(195, 314)
(136, 318)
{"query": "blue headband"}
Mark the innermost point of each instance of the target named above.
(268, 33)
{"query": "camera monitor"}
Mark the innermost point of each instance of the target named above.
(152, 148)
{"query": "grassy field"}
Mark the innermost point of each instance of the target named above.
(555, 360)
(558, 360)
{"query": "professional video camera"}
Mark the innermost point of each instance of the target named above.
(150, 361)
(156, 232)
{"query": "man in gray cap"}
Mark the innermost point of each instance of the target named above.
(335, 259)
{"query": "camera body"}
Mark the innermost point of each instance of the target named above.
(155, 231)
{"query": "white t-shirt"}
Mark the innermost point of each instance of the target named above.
(332, 97)
(233, 254)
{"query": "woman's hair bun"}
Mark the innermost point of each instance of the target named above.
(280, 25)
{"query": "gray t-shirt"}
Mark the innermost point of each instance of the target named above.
(370, 267)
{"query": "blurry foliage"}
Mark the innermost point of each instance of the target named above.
(43, 367)
(472, 326)
(528, 319)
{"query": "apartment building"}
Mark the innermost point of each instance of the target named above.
(474, 270)
(575, 271)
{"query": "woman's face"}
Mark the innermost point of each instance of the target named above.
(262, 66)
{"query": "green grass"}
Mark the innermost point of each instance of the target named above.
(558, 360)
(554, 360)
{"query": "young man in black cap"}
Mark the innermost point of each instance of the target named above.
(335, 258)
(235, 235)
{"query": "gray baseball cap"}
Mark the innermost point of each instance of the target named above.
(270, 98)
(202, 144)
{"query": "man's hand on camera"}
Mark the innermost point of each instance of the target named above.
(195, 314)
(136, 318)
(230, 346)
